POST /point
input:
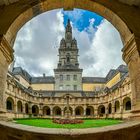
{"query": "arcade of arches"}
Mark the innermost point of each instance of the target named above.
(125, 16)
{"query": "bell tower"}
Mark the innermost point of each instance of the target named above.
(68, 75)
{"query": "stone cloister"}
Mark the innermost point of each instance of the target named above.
(123, 14)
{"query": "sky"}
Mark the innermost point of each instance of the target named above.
(37, 42)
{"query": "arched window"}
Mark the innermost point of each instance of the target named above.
(46, 110)
(57, 111)
(68, 59)
(35, 110)
(9, 104)
(127, 104)
(79, 111)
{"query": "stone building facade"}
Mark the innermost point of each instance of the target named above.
(90, 97)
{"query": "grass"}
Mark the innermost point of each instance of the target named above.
(47, 123)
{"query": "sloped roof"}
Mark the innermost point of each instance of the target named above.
(22, 72)
(93, 80)
(45, 79)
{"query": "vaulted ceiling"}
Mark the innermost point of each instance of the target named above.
(129, 2)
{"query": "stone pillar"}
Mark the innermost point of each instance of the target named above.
(62, 113)
(51, 112)
(6, 57)
(121, 111)
(113, 110)
(30, 109)
(40, 110)
(131, 56)
(95, 111)
(106, 111)
(73, 112)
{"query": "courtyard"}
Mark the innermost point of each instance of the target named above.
(87, 123)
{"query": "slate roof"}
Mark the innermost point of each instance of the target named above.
(122, 69)
(46, 79)
(50, 79)
(23, 73)
(93, 80)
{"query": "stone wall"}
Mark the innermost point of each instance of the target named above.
(129, 131)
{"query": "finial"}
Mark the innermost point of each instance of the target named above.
(68, 23)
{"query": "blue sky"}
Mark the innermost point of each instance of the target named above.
(37, 42)
(81, 18)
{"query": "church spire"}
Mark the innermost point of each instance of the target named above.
(68, 32)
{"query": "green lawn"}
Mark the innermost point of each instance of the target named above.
(47, 123)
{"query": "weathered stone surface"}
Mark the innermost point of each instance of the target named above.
(129, 131)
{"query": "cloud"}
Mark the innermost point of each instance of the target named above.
(36, 43)
(36, 46)
(105, 50)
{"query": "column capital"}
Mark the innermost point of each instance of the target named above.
(6, 49)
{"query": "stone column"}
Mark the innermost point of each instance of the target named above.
(84, 113)
(106, 111)
(73, 112)
(6, 57)
(131, 56)
(113, 109)
(40, 110)
(95, 111)
(62, 113)
(30, 109)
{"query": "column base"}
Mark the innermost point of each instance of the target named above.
(3, 116)
(135, 115)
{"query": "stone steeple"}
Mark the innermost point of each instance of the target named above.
(68, 75)
(68, 51)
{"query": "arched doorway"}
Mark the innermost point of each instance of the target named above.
(127, 104)
(79, 111)
(10, 104)
(89, 111)
(101, 110)
(57, 111)
(46, 111)
(35, 110)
